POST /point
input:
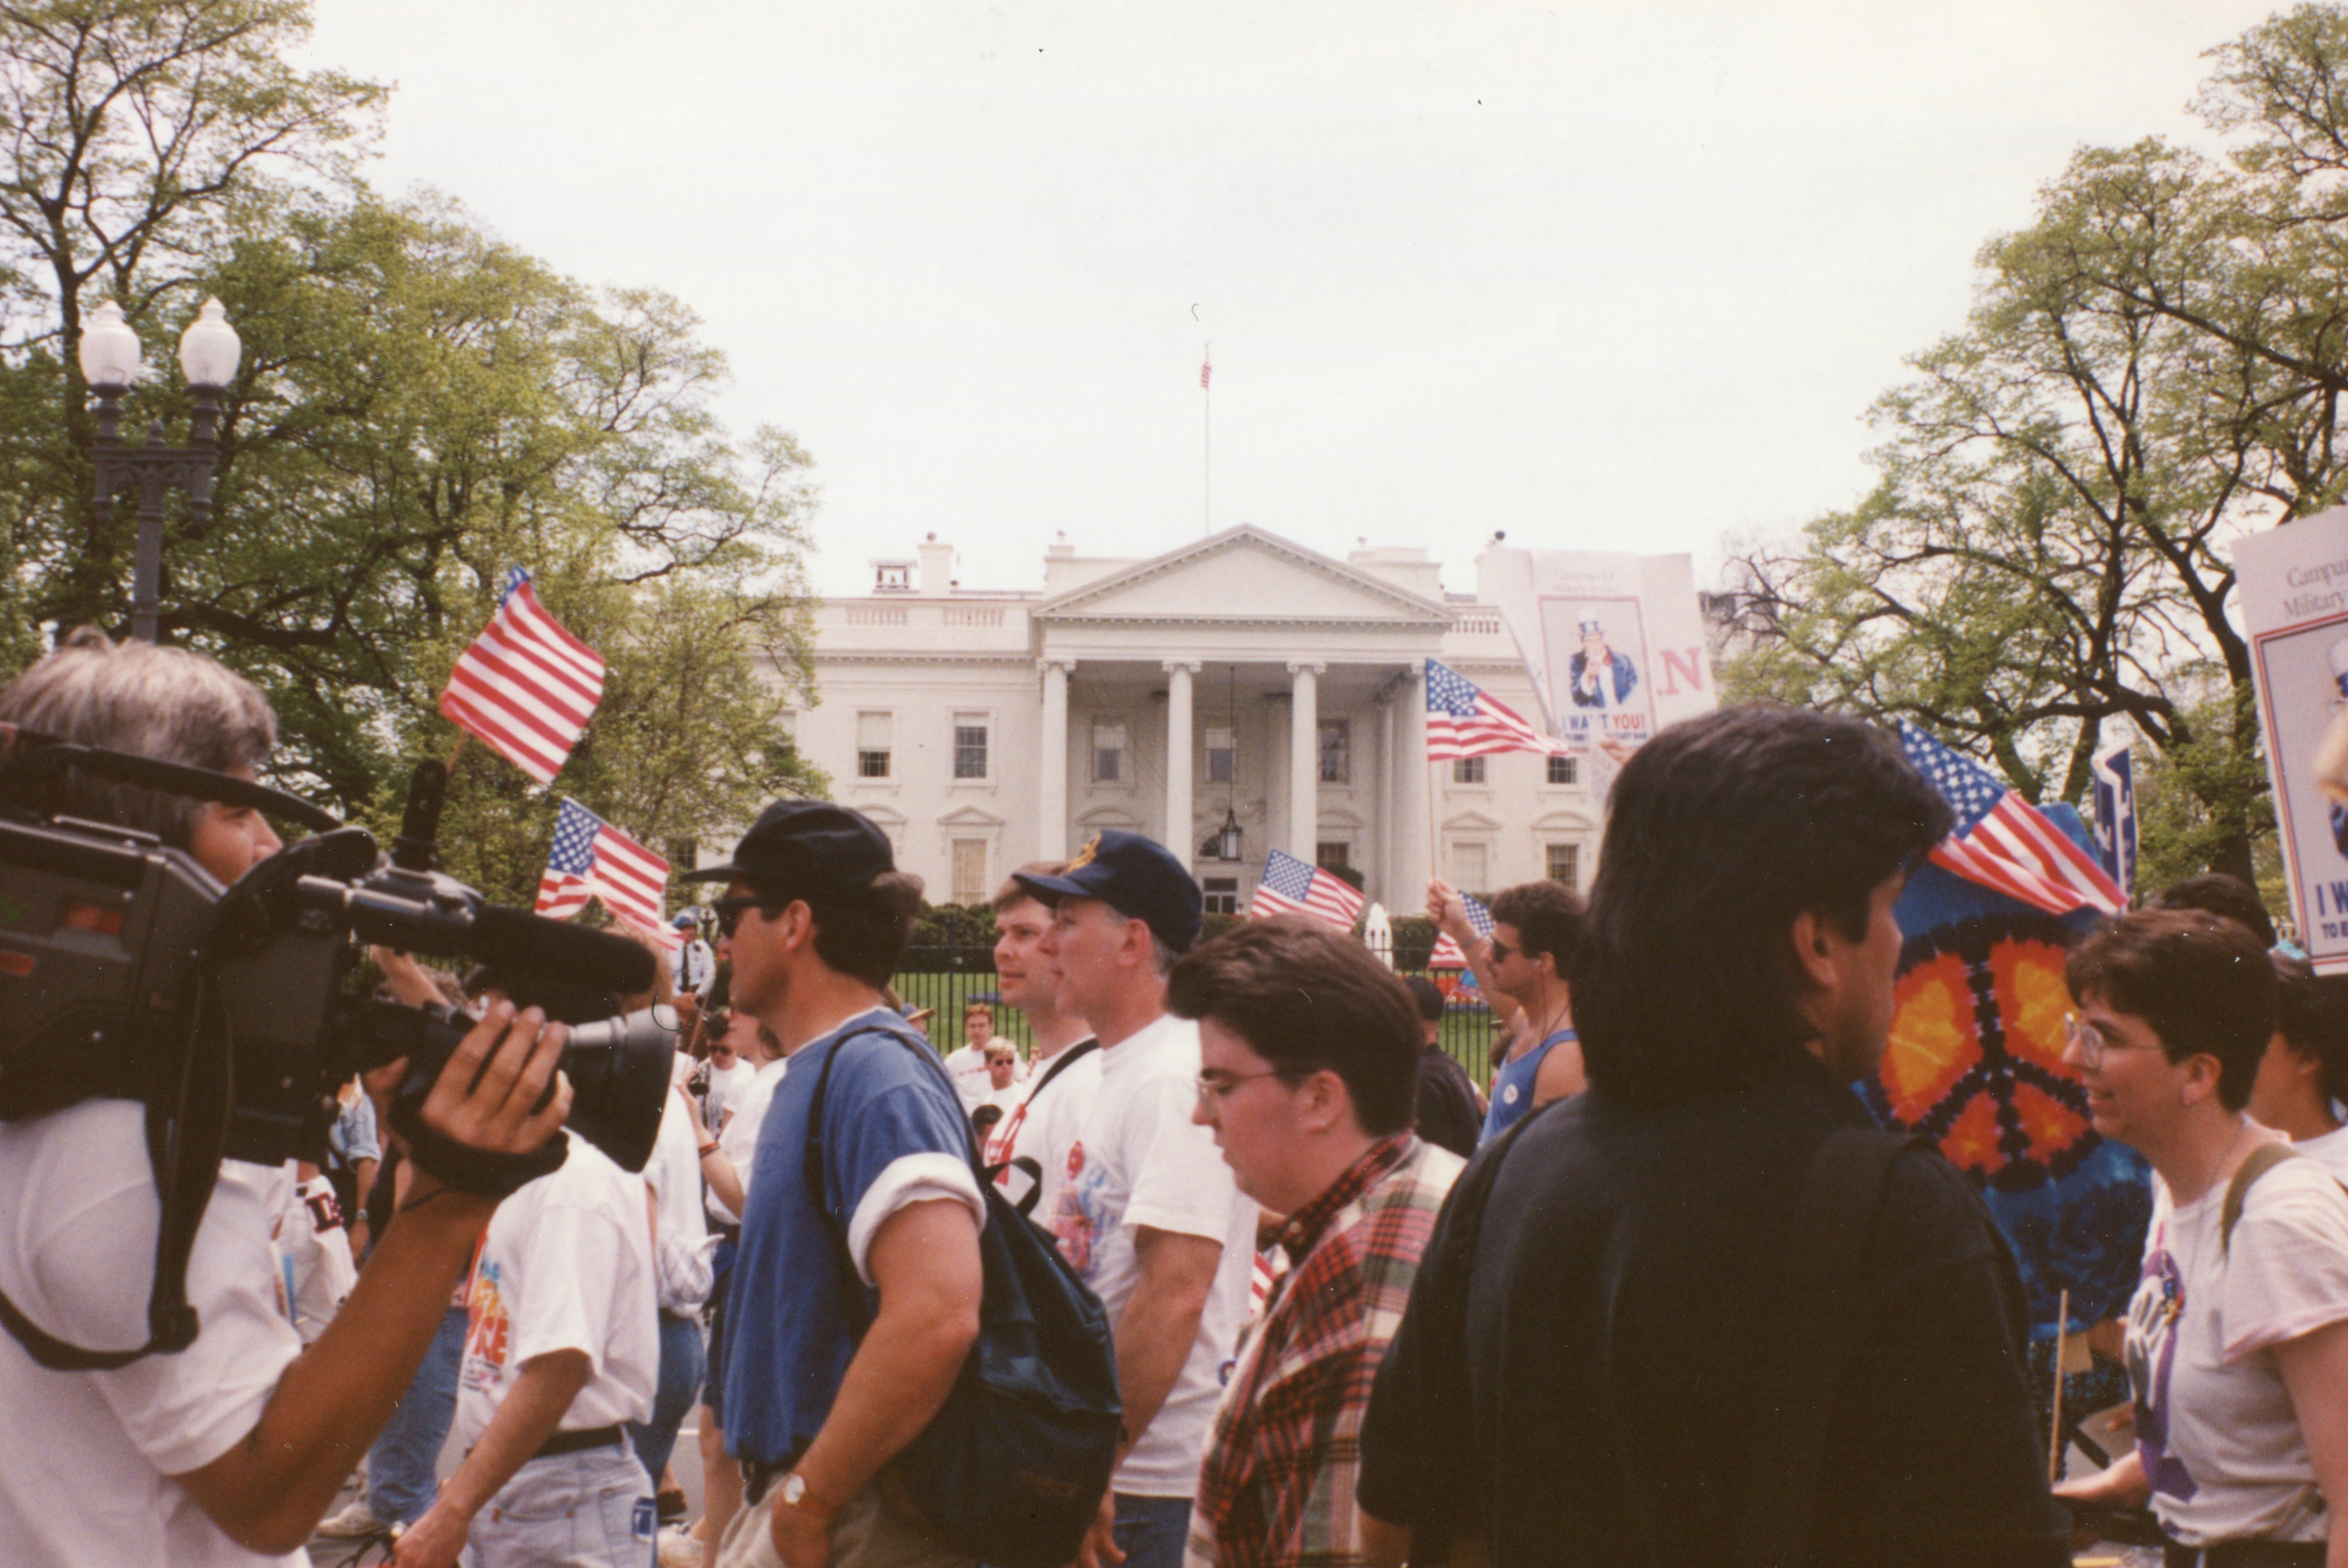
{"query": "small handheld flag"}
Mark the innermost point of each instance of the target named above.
(527, 687)
(2001, 842)
(1448, 954)
(593, 859)
(1292, 887)
(1462, 720)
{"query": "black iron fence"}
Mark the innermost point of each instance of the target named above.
(946, 980)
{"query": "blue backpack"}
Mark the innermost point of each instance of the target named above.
(1013, 1467)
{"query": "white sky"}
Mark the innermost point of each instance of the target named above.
(1605, 276)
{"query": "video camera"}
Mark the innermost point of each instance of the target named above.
(128, 972)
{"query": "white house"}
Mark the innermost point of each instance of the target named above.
(1240, 680)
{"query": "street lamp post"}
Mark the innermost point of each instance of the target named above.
(209, 351)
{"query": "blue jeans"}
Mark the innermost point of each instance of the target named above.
(1152, 1531)
(680, 1379)
(402, 1479)
(587, 1510)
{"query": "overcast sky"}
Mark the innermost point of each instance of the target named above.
(1603, 276)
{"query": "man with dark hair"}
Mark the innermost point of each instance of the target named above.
(1631, 1263)
(2303, 1075)
(1146, 1213)
(1537, 930)
(1029, 1149)
(815, 917)
(1308, 1054)
(230, 1451)
(1448, 1116)
(2228, 897)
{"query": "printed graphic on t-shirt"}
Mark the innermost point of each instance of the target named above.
(2154, 1314)
(489, 1336)
(1084, 1221)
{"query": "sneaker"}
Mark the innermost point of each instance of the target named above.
(678, 1549)
(355, 1520)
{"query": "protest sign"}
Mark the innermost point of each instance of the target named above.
(2293, 586)
(1614, 643)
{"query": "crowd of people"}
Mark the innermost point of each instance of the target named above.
(1661, 1294)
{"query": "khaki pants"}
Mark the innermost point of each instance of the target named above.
(874, 1531)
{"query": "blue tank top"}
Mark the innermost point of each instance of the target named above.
(1512, 1086)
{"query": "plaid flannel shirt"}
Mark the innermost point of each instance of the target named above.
(1277, 1485)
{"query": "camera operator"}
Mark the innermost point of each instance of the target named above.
(230, 1451)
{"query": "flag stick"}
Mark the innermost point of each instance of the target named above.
(2054, 1439)
(456, 750)
(1206, 442)
(1433, 864)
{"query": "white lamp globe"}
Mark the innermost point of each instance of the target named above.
(210, 348)
(109, 349)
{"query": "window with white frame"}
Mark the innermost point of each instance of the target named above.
(1565, 863)
(1109, 765)
(1467, 770)
(1564, 770)
(1332, 855)
(1336, 751)
(969, 747)
(876, 737)
(1222, 756)
(970, 871)
(1222, 894)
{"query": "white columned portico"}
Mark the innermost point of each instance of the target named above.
(1411, 804)
(1052, 795)
(1305, 760)
(1177, 758)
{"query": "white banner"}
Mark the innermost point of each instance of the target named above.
(1614, 643)
(2293, 586)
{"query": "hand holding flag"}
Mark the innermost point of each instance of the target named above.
(1448, 954)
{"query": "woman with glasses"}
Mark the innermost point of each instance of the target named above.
(2236, 1338)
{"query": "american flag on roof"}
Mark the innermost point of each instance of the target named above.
(527, 687)
(1446, 954)
(1292, 887)
(1462, 720)
(2003, 842)
(593, 859)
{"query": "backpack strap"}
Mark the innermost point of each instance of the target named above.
(2259, 1162)
(1067, 1059)
(1818, 1302)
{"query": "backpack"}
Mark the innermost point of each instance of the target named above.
(1011, 1468)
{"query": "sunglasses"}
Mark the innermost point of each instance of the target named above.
(729, 911)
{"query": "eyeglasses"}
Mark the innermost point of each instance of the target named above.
(2092, 1042)
(1212, 1091)
(729, 911)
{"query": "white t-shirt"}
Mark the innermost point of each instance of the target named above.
(316, 1270)
(739, 1141)
(1032, 1139)
(967, 1067)
(85, 1458)
(726, 1087)
(1139, 1160)
(566, 1264)
(2214, 1425)
(674, 1174)
(2329, 1150)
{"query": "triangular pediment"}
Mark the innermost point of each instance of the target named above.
(1239, 575)
(969, 816)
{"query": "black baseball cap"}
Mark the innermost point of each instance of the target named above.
(801, 846)
(1134, 876)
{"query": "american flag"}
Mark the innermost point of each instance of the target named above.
(1446, 954)
(593, 859)
(526, 686)
(1462, 722)
(2001, 842)
(1292, 887)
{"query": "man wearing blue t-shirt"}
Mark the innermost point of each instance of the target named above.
(815, 917)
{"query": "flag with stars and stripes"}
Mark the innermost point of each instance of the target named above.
(593, 859)
(527, 687)
(2003, 842)
(1292, 887)
(1462, 720)
(1446, 954)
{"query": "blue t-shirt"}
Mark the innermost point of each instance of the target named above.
(788, 1340)
(1512, 1086)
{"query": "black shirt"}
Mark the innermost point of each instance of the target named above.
(1447, 1116)
(1624, 1275)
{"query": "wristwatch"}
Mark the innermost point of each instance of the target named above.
(795, 1494)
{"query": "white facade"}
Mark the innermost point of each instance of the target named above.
(1243, 674)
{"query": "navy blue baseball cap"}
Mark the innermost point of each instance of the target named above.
(1134, 876)
(800, 846)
